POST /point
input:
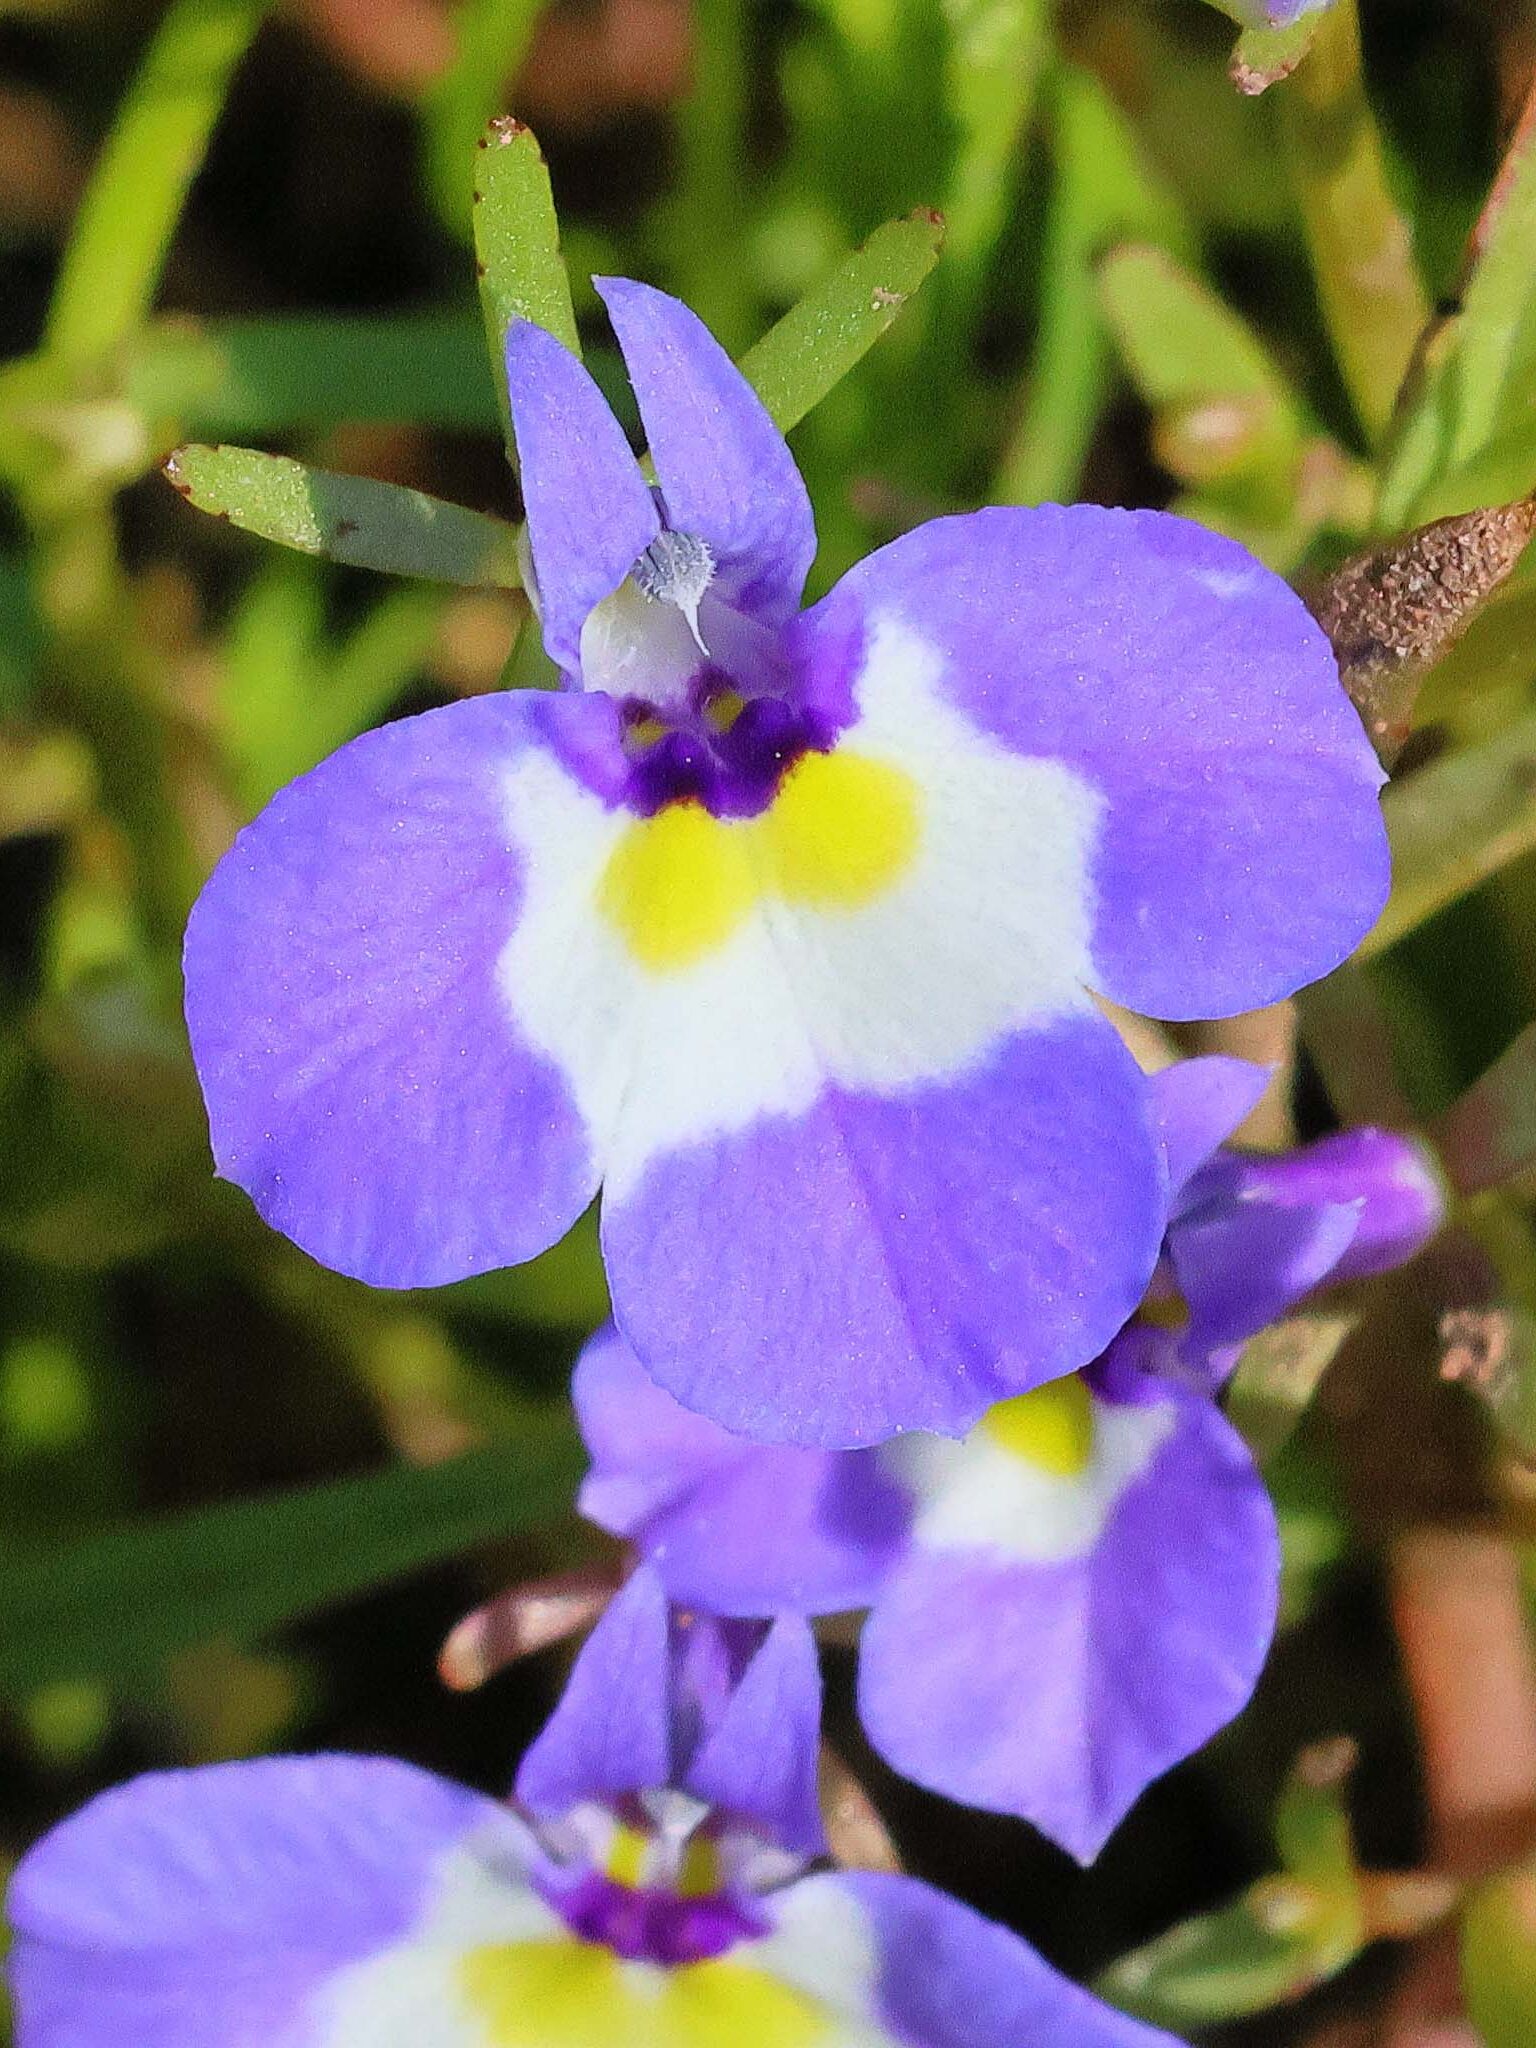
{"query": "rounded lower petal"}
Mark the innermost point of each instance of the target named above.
(367, 1082)
(214, 1908)
(696, 1500)
(1057, 1685)
(928, 1972)
(1242, 852)
(891, 1262)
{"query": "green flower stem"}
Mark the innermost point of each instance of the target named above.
(1367, 281)
(708, 221)
(134, 201)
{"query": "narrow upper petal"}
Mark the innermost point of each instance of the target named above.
(612, 1733)
(882, 1263)
(590, 512)
(367, 1083)
(759, 1762)
(941, 1975)
(1242, 852)
(726, 473)
(1047, 1655)
(697, 1500)
(200, 1909)
(1198, 1105)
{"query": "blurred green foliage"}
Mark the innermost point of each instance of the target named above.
(1153, 289)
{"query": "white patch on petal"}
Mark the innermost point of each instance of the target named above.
(416, 1994)
(411, 1995)
(985, 931)
(822, 1944)
(1230, 583)
(978, 1495)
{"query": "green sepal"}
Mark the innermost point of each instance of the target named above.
(353, 519)
(819, 340)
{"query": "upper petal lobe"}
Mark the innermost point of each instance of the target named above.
(1243, 852)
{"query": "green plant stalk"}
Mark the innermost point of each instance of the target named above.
(707, 220)
(107, 675)
(1102, 192)
(998, 53)
(135, 198)
(1368, 284)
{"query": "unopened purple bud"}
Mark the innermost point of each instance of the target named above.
(1392, 1178)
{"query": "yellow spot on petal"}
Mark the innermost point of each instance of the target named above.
(1051, 1428)
(677, 886)
(840, 831)
(571, 1994)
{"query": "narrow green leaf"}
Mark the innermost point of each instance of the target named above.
(369, 670)
(1312, 1828)
(706, 218)
(1455, 823)
(517, 245)
(1284, 1935)
(290, 697)
(1179, 339)
(352, 519)
(135, 197)
(1466, 438)
(1264, 56)
(271, 664)
(218, 380)
(801, 357)
(1498, 1960)
(996, 57)
(117, 1604)
(493, 37)
(1224, 416)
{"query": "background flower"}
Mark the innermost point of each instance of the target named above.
(1082, 1592)
(648, 1891)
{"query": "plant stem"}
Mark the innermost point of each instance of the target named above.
(136, 194)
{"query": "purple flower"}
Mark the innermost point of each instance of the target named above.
(649, 1891)
(780, 925)
(1079, 1594)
